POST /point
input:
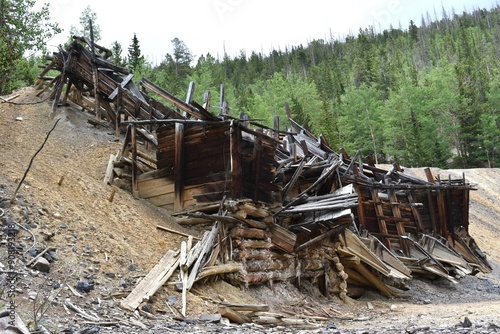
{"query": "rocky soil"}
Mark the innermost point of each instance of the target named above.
(100, 249)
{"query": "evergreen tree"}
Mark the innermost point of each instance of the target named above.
(181, 58)
(361, 121)
(116, 57)
(21, 29)
(87, 17)
(135, 59)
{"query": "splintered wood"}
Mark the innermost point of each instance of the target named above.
(282, 205)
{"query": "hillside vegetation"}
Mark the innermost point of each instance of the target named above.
(424, 94)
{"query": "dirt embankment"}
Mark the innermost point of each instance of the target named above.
(64, 204)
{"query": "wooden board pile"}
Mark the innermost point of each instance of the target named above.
(282, 205)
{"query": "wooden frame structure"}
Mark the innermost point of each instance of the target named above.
(285, 204)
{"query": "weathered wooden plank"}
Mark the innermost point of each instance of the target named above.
(125, 81)
(109, 169)
(153, 281)
(162, 200)
(155, 187)
(282, 238)
(205, 248)
(150, 86)
(356, 246)
(247, 307)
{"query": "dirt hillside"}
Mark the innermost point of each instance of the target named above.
(64, 204)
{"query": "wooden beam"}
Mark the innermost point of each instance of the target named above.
(396, 212)
(118, 110)
(276, 133)
(379, 210)
(247, 307)
(206, 246)
(153, 281)
(236, 170)
(190, 93)
(206, 100)
(57, 92)
(68, 88)
(232, 315)
(191, 110)
(133, 141)
(320, 237)
(230, 267)
(94, 73)
(428, 174)
(221, 100)
(179, 167)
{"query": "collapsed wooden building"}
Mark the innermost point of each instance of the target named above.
(282, 205)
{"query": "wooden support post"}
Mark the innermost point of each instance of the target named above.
(57, 92)
(221, 100)
(95, 74)
(380, 213)
(428, 174)
(291, 147)
(150, 127)
(190, 93)
(465, 213)
(206, 100)
(432, 210)
(133, 138)
(257, 155)
(179, 167)
(361, 208)
(276, 133)
(68, 88)
(118, 111)
(236, 171)
(184, 276)
(441, 211)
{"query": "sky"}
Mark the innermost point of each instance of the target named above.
(230, 26)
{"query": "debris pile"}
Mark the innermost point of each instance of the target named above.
(280, 205)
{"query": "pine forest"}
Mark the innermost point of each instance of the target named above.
(427, 94)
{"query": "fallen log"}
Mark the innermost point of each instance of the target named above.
(249, 233)
(233, 315)
(247, 307)
(266, 265)
(263, 277)
(253, 244)
(230, 267)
